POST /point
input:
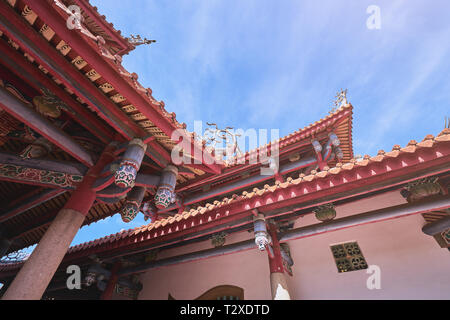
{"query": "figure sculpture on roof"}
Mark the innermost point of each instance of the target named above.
(341, 98)
(222, 141)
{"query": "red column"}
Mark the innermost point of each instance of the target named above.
(37, 272)
(278, 283)
(109, 290)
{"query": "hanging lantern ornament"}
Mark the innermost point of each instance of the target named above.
(262, 239)
(125, 176)
(165, 195)
(132, 204)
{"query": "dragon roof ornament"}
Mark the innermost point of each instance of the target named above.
(137, 40)
(222, 141)
(340, 100)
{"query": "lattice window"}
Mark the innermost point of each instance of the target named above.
(348, 257)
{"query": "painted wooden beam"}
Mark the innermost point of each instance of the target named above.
(193, 256)
(34, 120)
(47, 173)
(67, 167)
(147, 180)
(106, 189)
(113, 191)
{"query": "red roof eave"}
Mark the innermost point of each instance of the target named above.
(432, 154)
(112, 72)
(108, 27)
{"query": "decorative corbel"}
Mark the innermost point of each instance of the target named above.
(132, 204)
(422, 188)
(286, 256)
(218, 239)
(96, 273)
(165, 195)
(38, 149)
(334, 139)
(317, 146)
(125, 176)
(325, 212)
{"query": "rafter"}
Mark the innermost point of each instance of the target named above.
(29, 203)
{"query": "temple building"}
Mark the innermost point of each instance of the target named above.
(299, 218)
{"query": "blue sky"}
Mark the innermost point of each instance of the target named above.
(278, 64)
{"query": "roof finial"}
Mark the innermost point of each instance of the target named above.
(340, 100)
(137, 40)
(447, 123)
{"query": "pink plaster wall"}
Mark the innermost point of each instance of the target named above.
(247, 269)
(412, 264)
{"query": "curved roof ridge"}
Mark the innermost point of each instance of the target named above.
(308, 131)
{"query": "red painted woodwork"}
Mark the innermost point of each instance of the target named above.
(84, 196)
(94, 15)
(40, 50)
(370, 178)
(22, 112)
(49, 57)
(90, 53)
(83, 117)
(109, 290)
(275, 262)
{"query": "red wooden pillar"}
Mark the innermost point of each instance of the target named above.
(278, 282)
(109, 290)
(37, 272)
